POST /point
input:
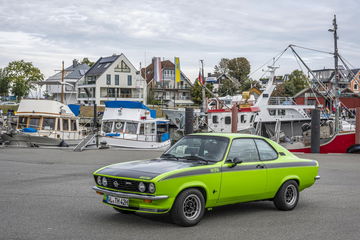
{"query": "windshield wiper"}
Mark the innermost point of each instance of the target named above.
(169, 155)
(198, 158)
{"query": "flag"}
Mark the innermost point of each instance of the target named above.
(177, 69)
(157, 69)
(201, 78)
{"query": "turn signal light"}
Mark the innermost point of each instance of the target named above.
(100, 193)
(147, 201)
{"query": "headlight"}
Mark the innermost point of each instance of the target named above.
(104, 181)
(98, 180)
(142, 187)
(151, 188)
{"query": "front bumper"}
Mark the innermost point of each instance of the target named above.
(129, 195)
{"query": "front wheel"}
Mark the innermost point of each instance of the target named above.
(288, 196)
(189, 208)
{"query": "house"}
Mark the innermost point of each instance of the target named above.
(355, 81)
(72, 75)
(327, 77)
(216, 80)
(110, 78)
(167, 90)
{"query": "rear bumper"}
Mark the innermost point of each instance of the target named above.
(129, 195)
(317, 177)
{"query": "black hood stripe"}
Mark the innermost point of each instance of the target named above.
(240, 168)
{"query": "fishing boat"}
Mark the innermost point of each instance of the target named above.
(129, 124)
(44, 123)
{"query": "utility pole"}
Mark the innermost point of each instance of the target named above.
(62, 82)
(336, 84)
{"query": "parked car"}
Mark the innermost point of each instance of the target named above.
(207, 170)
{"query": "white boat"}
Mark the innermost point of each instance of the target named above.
(128, 124)
(45, 123)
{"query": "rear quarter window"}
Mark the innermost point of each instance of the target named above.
(266, 151)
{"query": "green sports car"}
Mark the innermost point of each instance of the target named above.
(202, 171)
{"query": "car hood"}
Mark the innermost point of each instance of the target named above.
(145, 169)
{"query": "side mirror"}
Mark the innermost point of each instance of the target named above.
(235, 161)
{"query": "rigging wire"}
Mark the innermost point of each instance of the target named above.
(312, 49)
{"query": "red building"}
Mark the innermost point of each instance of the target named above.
(308, 97)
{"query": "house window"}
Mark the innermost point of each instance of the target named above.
(108, 79)
(129, 80)
(122, 67)
(117, 82)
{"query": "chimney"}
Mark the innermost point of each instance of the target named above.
(75, 63)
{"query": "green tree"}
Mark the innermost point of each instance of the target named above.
(222, 67)
(22, 76)
(86, 60)
(297, 81)
(248, 84)
(4, 83)
(196, 92)
(228, 87)
(239, 68)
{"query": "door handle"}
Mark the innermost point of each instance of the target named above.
(260, 166)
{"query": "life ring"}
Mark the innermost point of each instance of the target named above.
(118, 125)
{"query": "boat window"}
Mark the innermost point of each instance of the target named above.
(34, 122)
(215, 119)
(107, 126)
(162, 128)
(119, 126)
(272, 112)
(22, 122)
(281, 112)
(227, 120)
(251, 118)
(244, 149)
(266, 152)
(141, 132)
(243, 118)
(65, 123)
(131, 127)
(73, 125)
(48, 124)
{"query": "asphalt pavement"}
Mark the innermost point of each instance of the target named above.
(46, 194)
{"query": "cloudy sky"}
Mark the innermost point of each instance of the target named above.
(47, 32)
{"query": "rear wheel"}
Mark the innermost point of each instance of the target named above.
(288, 196)
(189, 208)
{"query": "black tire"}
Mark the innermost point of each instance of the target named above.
(124, 211)
(288, 196)
(188, 208)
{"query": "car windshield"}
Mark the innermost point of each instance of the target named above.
(199, 148)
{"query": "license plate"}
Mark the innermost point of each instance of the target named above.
(123, 202)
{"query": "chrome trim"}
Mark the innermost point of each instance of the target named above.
(129, 195)
(317, 177)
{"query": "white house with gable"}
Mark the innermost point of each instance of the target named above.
(110, 78)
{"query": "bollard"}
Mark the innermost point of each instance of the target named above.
(315, 131)
(189, 116)
(234, 118)
(357, 126)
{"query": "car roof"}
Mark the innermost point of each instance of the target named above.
(228, 135)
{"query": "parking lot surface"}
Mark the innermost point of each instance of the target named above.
(46, 194)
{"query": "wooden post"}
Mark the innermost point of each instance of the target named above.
(189, 117)
(357, 128)
(315, 131)
(234, 118)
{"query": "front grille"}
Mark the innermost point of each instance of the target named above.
(122, 184)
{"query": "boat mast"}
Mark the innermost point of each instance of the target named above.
(204, 102)
(336, 83)
(62, 82)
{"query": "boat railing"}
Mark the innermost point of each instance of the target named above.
(281, 101)
(140, 137)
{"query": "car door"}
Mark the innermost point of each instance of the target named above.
(247, 180)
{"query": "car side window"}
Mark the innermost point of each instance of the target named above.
(244, 149)
(266, 152)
